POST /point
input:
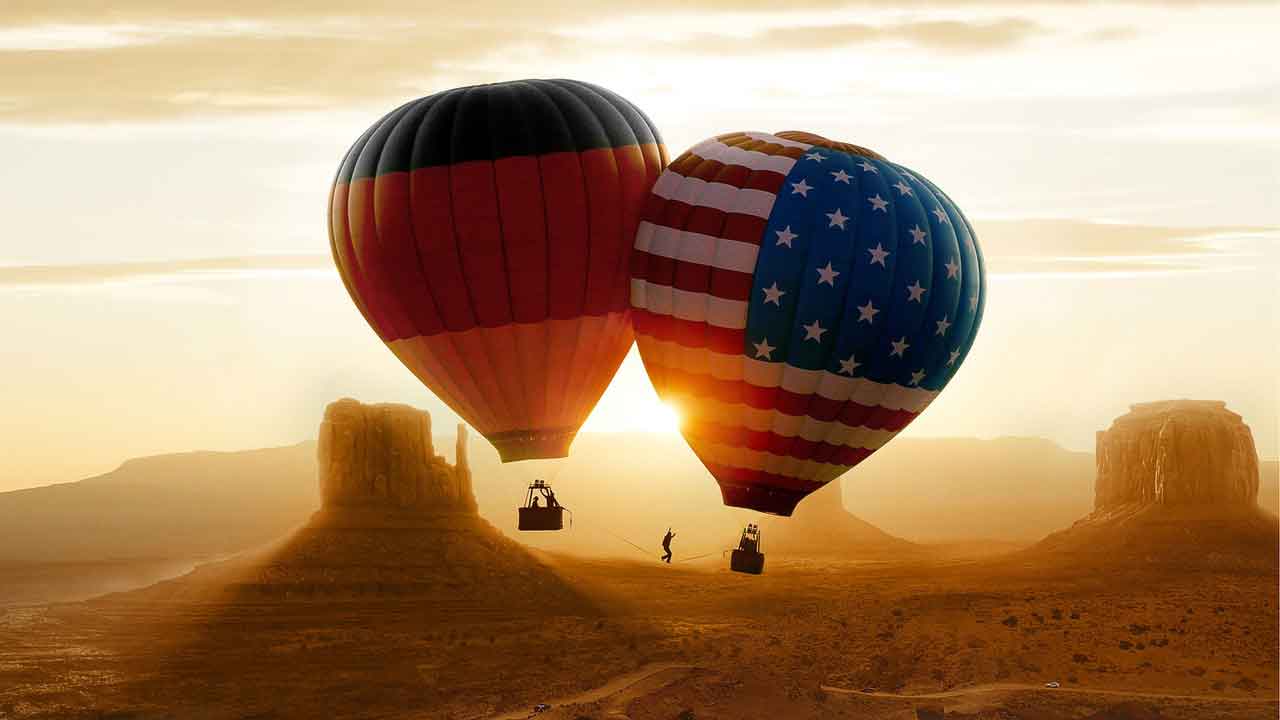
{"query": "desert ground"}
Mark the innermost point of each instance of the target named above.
(808, 639)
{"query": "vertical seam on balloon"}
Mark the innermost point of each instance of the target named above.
(545, 323)
(337, 258)
(457, 399)
(484, 410)
(579, 319)
(609, 337)
(562, 399)
(546, 223)
(523, 415)
(385, 324)
(980, 269)
(345, 272)
(466, 286)
(951, 311)
(621, 263)
(587, 386)
(393, 276)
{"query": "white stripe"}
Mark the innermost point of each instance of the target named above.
(840, 387)
(770, 138)
(696, 248)
(644, 236)
(686, 305)
(891, 396)
(750, 159)
(720, 196)
(667, 183)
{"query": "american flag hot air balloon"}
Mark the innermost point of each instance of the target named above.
(800, 301)
(485, 234)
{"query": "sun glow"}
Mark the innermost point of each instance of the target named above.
(631, 405)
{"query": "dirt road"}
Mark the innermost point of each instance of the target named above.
(618, 691)
(999, 687)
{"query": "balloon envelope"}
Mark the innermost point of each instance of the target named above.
(485, 233)
(800, 301)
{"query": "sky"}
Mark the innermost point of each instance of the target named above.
(165, 282)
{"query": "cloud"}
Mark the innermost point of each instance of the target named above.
(1039, 247)
(191, 74)
(21, 276)
(1065, 248)
(140, 60)
(183, 67)
(946, 35)
(518, 11)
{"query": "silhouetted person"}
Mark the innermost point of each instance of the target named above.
(666, 546)
(535, 502)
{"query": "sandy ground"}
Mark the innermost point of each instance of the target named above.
(951, 639)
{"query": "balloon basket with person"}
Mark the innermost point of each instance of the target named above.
(541, 509)
(748, 556)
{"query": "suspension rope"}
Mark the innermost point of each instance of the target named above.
(650, 553)
(699, 557)
(615, 536)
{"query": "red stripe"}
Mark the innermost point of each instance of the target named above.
(726, 475)
(690, 333)
(602, 176)
(408, 284)
(432, 215)
(662, 270)
(374, 258)
(765, 441)
(705, 220)
(568, 232)
(524, 236)
(340, 244)
(744, 228)
(479, 233)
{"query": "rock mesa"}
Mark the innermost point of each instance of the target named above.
(396, 521)
(382, 456)
(1177, 484)
(1176, 452)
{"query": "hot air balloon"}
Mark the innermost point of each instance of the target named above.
(800, 301)
(485, 233)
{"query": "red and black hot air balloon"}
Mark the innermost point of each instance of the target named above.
(485, 234)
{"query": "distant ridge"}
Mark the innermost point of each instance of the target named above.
(823, 527)
(181, 505)
(198, 505)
